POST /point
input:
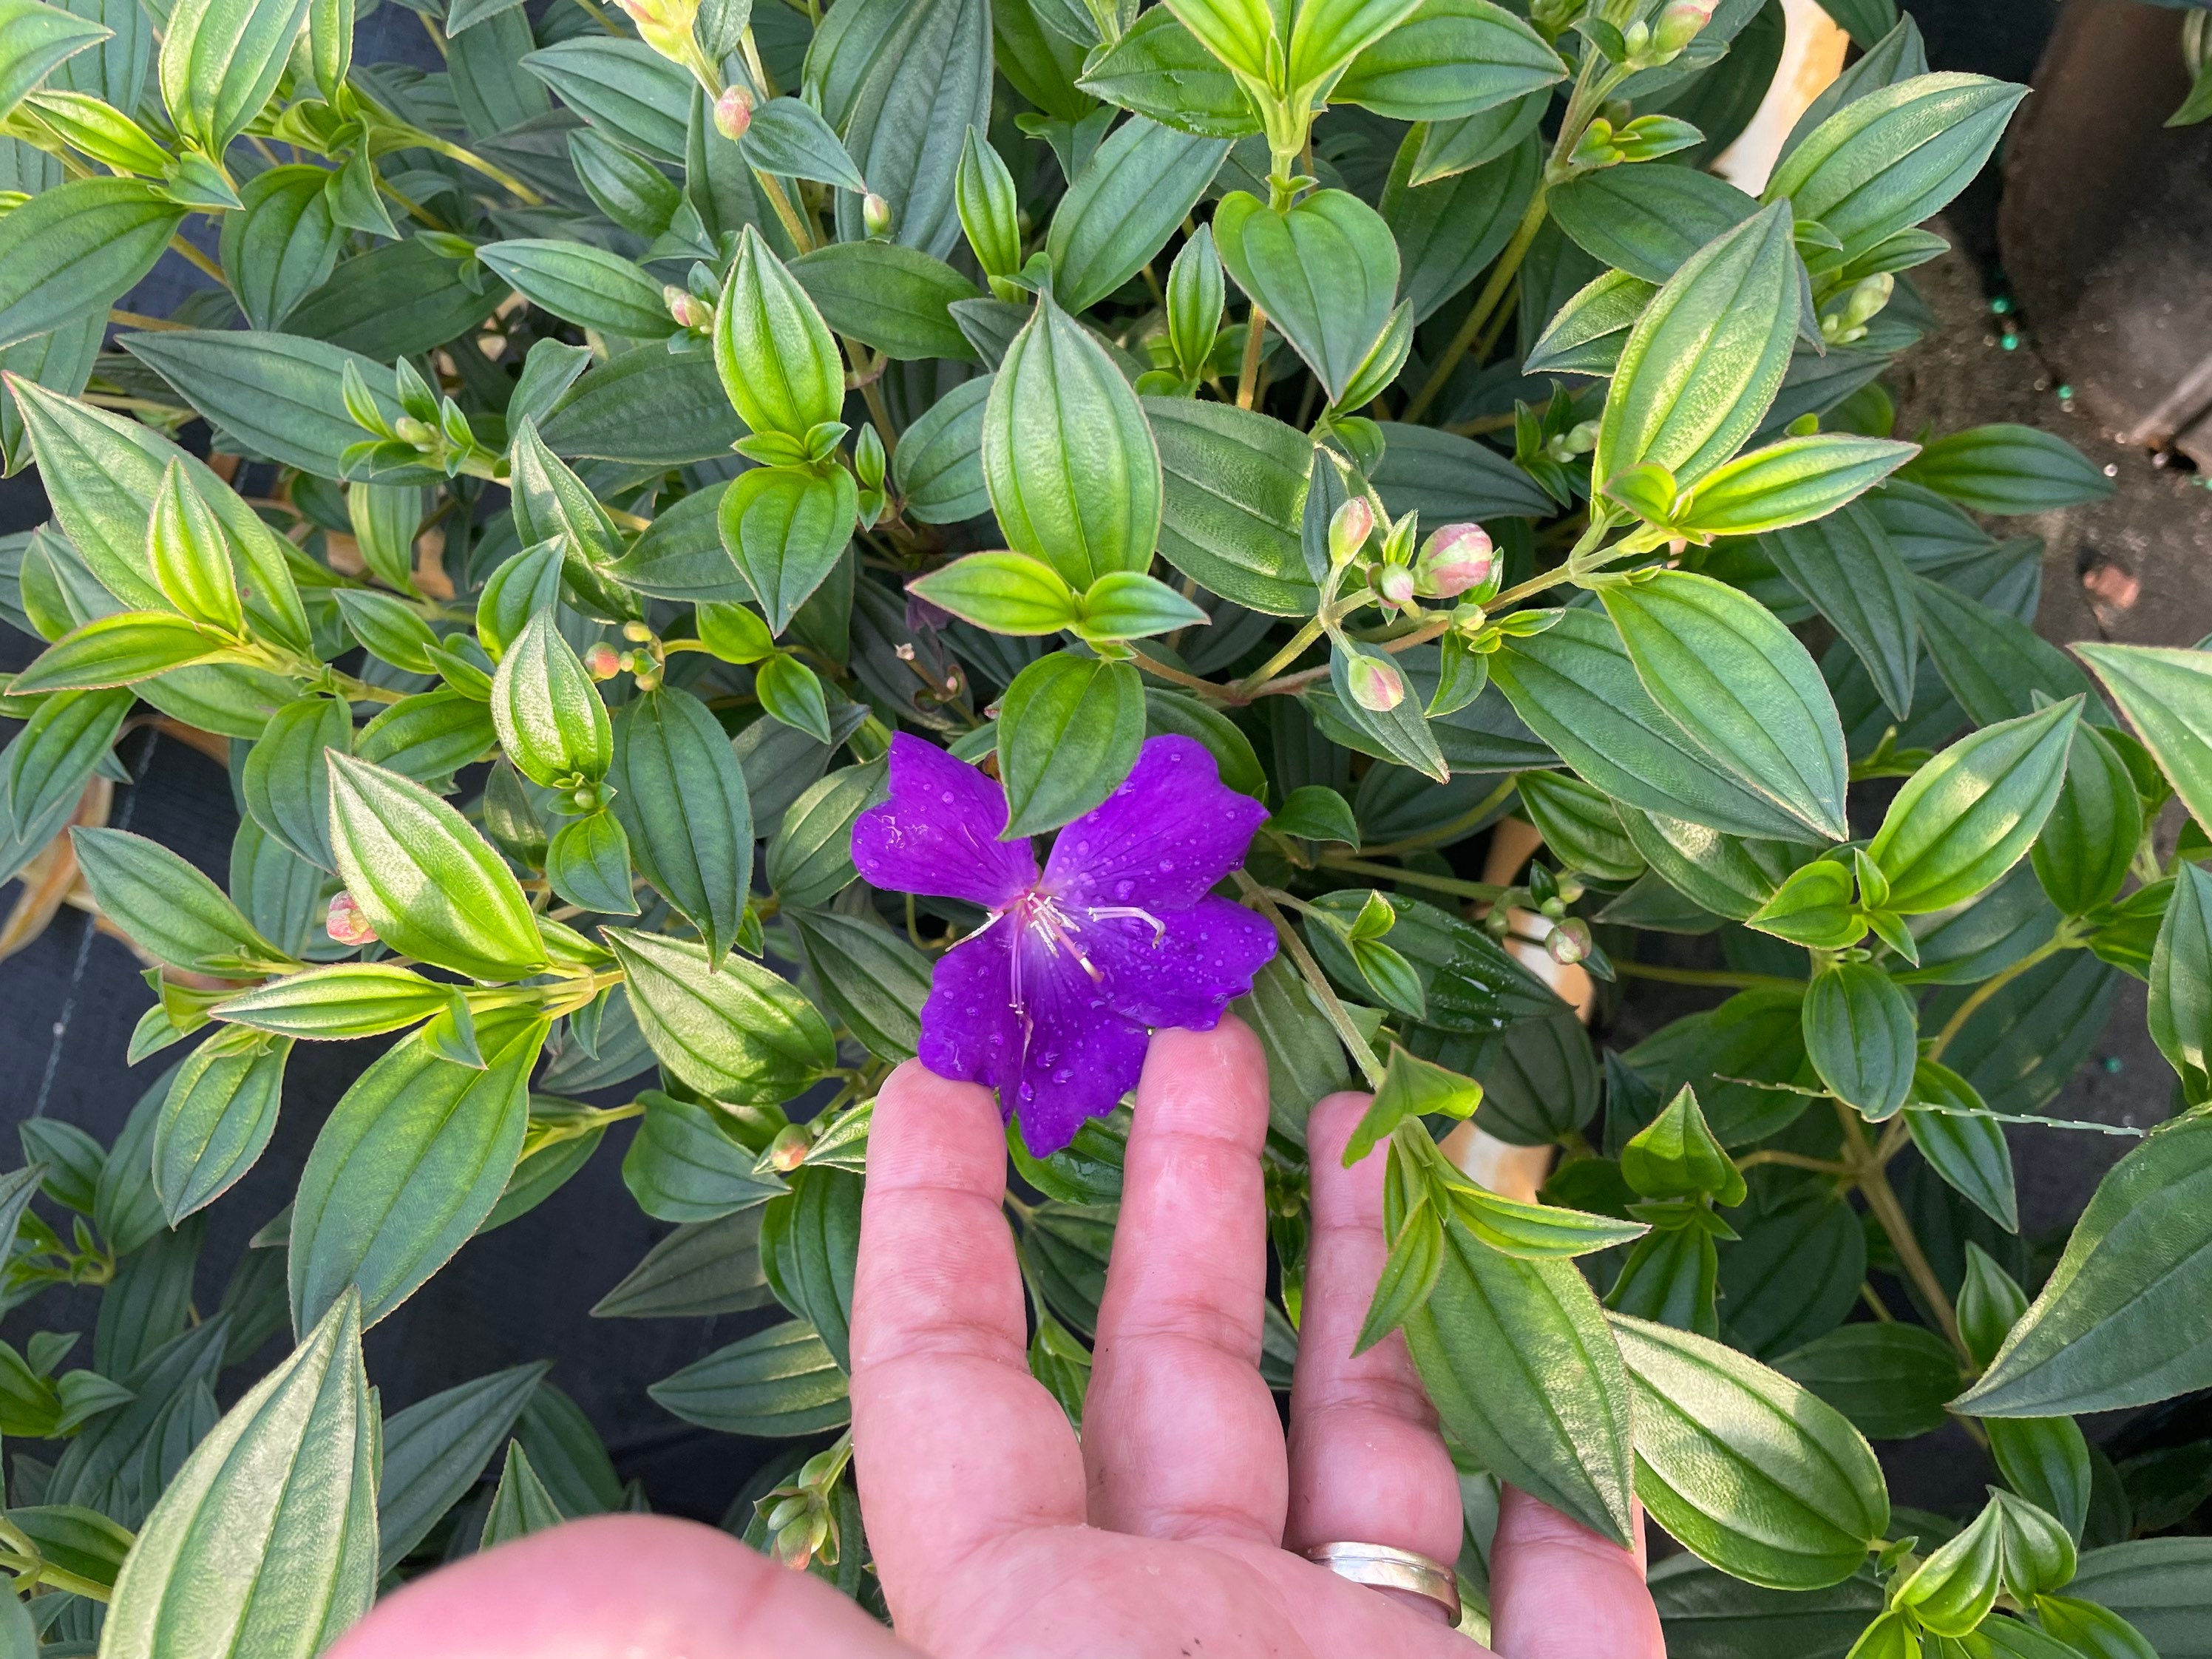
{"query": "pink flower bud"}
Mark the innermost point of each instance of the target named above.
(1349, 527)
(788, 1150)
(684, 306)
(1396, 583)
(603, 660)
(1680, 22)
(1376, 683)
(875, 215)
(1459, 558)
(733, 113)
(1569, 941)
(345, 922)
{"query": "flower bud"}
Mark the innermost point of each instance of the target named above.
(788, 1150)
(1376, 682)
(875, 215)
(602, 662)
(664, 25)
(1459, 558)
(686, 307)
(1394, 582)
(1569, 941)
(420, 434)
(1680, 21)
(733, 113)
(345, 922)
(1349, 527)
(636, 632)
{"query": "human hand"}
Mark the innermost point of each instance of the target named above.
(1172, 1529)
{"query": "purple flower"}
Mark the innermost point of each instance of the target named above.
(1049, 1001)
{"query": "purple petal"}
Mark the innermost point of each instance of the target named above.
(1162, 840)
(938, 832)
(969, 1029)
(1183, 972)
(1080, 1058)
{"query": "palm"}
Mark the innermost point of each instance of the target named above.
(1170, 1526)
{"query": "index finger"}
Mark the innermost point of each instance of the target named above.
(955, 1444)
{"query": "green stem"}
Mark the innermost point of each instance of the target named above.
(1719, 979)
(2063, 940)
(1247, 375)
(418, 139)
(1175, 676)
(1324, 992)
(1501, 277)
(1483, 892)
(1465, 825)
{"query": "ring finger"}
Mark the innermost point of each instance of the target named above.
(1366, 1462)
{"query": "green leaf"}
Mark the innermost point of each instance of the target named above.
(1730, 875)
(264, 1541)
(787, 138)
(435, 1449)
(681, 798)
(1585, 335)
(651, 407)
(54, 756)
(1953, 1589)
(75, 248)
(1412, 1088)
(1789, 482)
(1580, 825)
(1994, 664)
(1449, 59)
(2167, 695)
(34, 41)
(2163, 1585)
(938, 465)
(587, 862)
(547, 710)
(120, 650)
(2088, 843)
(585, 285)
(2181, 1012)
(1325, 271)
(1236, 491)
(1704, 360)
(1892, 157)
(1812, 907)
(1741, 686)
(1136, 191)
(688, 1163)
(779, 1383)
(2046, 1461)
(519, 1503)
(1970, 1152)
(1447, 232)
(873, 981)
(1845, 566)
(220, 61)
(732, 1030)
(1004, 593)
(2006, 469)
(1325, 35)
(429, 883)
(622, 87)
(1400, 731)
(701, 1269)
(1749, 1470)
(812, 1238)
(1410, 1271)
(167, 906)
(1675, 1155)
(2086, 1627)
(1891, 1380)
(810, 861)
(1863, 1037)
(778, 361)
(216, 1118)
(1576, 687)
(409, 1162)
(895, 299)
(1968, 816)
(1069, 729)
(785, 528)
(1159, 69)
(2120, 1320)
(390, 627)
(1524, 1374)
(1646, 221)
(1072, 472)
(927, 83)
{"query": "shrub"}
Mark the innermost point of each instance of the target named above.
(624, 450)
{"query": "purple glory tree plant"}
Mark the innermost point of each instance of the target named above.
(1052, 1000)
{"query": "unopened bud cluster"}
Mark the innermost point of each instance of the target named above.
(346, 924)
(1459, 560)
(1844, 322)
(666, 26)
(733, 113)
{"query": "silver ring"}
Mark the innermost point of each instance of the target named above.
(1381, 1567)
